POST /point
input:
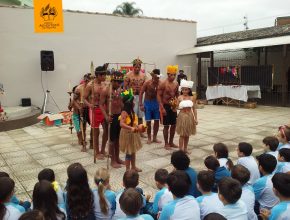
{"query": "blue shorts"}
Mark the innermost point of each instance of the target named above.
(151, 110)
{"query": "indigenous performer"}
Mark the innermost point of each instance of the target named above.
(151, 105)
(85, 110)
(135, 79)
(117, 79)
(94, 106)
(77, 108)
(167, 96)
(129, 139)
(187, 117)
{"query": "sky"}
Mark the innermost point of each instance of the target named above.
(212, 16)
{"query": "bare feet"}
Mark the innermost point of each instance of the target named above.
(149, 141)
(119, 161)
(173, 145)
(187, 151)
(83, 149)
(100, 156)
(167, 147)
(137, 169)
(157, 141)
(115, 165)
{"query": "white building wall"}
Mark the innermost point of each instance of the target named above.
(87, 37)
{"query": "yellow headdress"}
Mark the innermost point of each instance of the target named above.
(172, 69)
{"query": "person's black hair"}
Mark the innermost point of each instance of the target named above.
(285, 152)
(156, 71)
(32, 215)
(178, 183)
(129, 108)
(206, 180)
(6, 189)
(245, 148)
(281, 182)
(46, 174)
(240, 173)
(161, 176)
(221, 150)
(131, 202)
(214, 216)
(268, 162)
(45, 199)
(74, 88)
(180, 160)
(272, 142)
(100, 70)
(130, 179)
(230, 189)
(80, 198)
(4, 174)
(211, 163)
(117, 76)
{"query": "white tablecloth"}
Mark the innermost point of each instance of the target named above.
(242, 92)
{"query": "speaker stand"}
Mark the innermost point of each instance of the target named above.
(46, 97)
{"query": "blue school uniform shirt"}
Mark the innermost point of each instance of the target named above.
(138, 217)
(248, 197)
(193, 191)
(250, 163)
(283, 167)
(236, 211)
(281, 211)
(162, 197)
(111, 201)
(281, 146)
(185, 208)
(263, 189)
(273, 153)
(13, 211)
(118, 212)
(209, 203)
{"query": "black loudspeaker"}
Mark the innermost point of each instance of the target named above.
(26, 102)
(47, 60)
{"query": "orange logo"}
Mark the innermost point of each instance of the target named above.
(48, 16)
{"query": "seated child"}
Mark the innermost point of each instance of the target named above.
(281, 188)
(130, 180)
(283, 161)
(244, 153)
(131, 202)
(180, 161)
(209, 201)
(32, 215)
(48, 174)
(271, 144)
(242, 174)
(263, 187)
(25, 204)
(284, 137)
(8, 210)
(183, 206)
(230, 191)
(221, 152)
(220, 172)
(104, 198)
(163, 196)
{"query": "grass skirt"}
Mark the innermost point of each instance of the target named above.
(185, 125)
(129, 141)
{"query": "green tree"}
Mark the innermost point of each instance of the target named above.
(127, 8)
(10, 2)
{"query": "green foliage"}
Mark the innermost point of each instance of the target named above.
(127, 8)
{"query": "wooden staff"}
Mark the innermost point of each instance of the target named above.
(109, 124)
(70, 110)
(93, 108)
(82, 119)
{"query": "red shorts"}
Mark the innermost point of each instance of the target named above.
(98, 117)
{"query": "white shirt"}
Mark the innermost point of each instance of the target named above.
(237, 211)
(250, 163)
(13, 211)
(223, 162)
(209, 203)
(248, 197)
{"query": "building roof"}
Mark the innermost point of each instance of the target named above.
(254, 34)
(108, 14)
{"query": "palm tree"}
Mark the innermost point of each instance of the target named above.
(127, 8)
